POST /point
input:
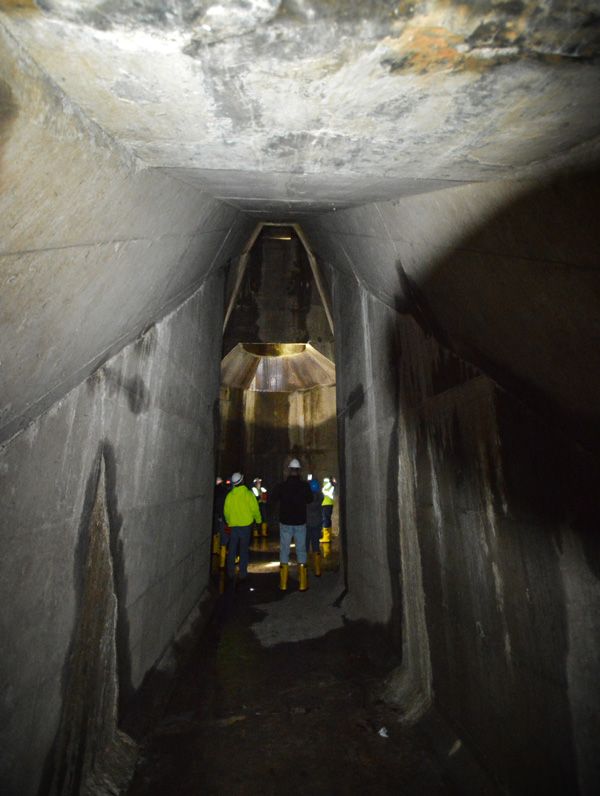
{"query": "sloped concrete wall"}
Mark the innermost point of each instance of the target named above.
(505, 272)
(93, 247)
(150, 412)
(484, 517)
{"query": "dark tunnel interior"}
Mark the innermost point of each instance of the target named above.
(363, 236)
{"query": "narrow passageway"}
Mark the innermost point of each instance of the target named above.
(279, 696)
(359, 235)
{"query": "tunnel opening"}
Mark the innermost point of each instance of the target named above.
(278, 386)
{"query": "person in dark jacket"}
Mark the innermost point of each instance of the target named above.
(293, 496)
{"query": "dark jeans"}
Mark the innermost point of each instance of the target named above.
(327, 512)
(313, 534)
(219, 527)
(239, 535)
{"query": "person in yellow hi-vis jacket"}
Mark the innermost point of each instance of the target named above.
(241, 512)
(328, 490)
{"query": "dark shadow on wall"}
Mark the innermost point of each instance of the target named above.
(518, 297)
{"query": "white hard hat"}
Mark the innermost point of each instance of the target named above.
(237, 478)
(294, 464)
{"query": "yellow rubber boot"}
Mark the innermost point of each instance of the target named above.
(264, 529)
(317, 564)
(303, 577)
(215, 544)
(222, 556)
(283, 576)
(326, 535)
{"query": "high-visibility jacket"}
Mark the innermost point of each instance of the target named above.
(241, 507)
(328, 492)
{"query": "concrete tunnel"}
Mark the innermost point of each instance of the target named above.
(436, 167)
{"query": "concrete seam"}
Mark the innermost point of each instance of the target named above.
(94, 244)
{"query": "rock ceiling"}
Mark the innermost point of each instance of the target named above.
(316, 104)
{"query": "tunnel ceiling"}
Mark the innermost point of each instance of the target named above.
(293, 105)
(276, 367)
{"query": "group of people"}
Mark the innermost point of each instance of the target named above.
(305, 511)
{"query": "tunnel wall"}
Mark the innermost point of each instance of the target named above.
(150, 413)
(94, 248)
(261, 431)
(485, 519)
(484, 514)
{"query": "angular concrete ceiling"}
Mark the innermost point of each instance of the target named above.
(276, 367)
(306, 105)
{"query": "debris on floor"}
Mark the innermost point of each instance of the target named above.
(276, 699)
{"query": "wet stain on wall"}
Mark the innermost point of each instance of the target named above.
(356, 400)
(89, 749)
(138, 396)
(120, 579)
(8, 113)
(146, 343)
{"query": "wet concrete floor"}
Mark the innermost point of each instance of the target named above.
(278, 697)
